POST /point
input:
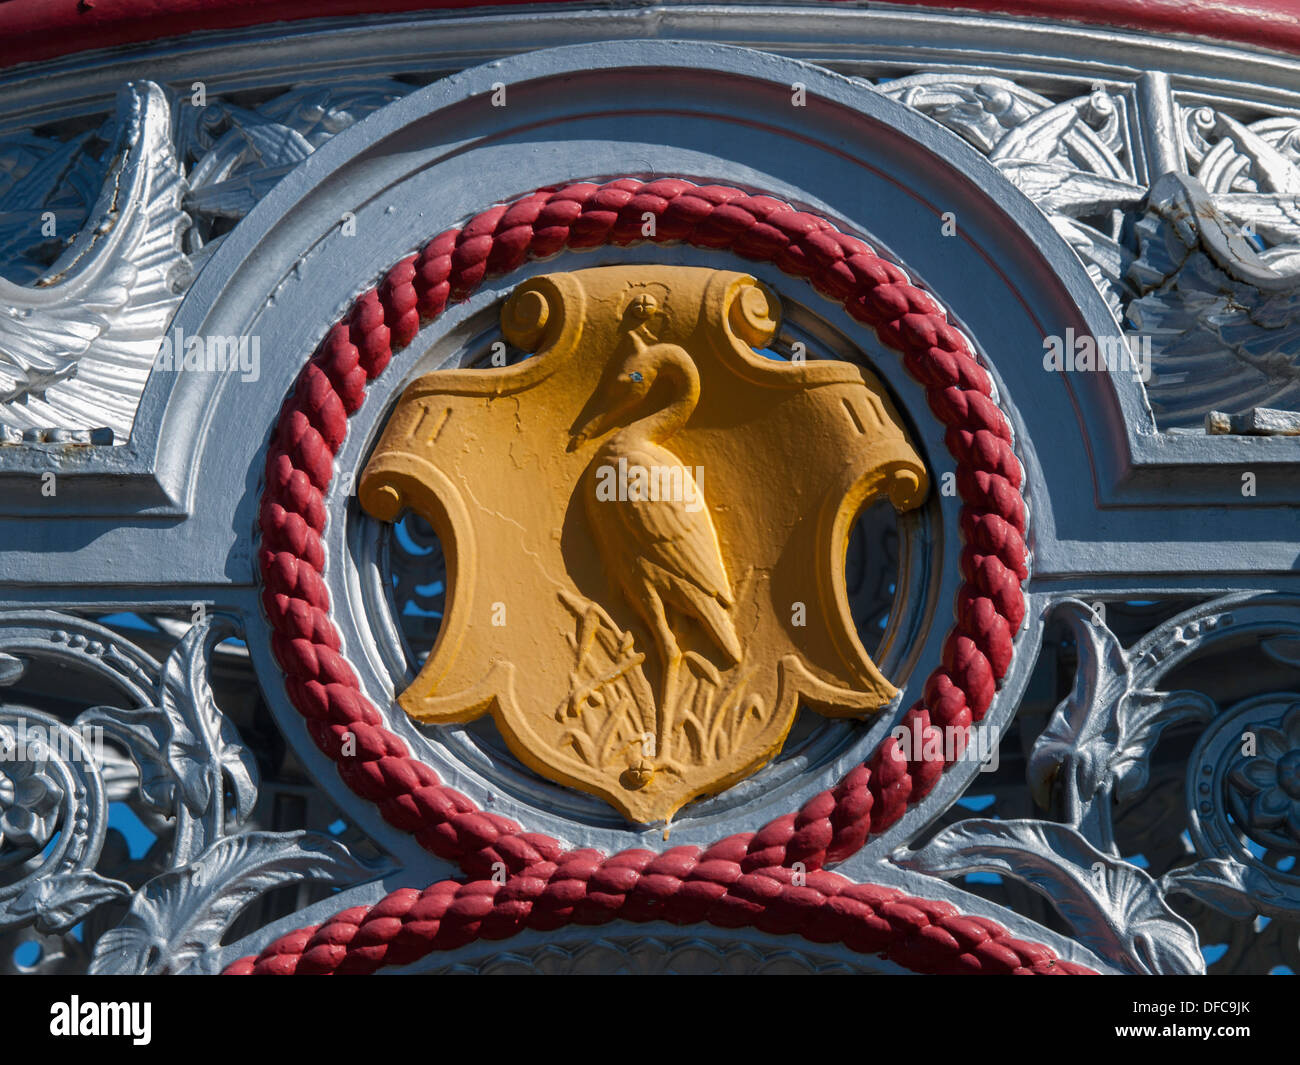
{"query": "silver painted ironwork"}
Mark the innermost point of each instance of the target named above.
(643, 955)
(171, 756)
(1124, 187)
(78, 345)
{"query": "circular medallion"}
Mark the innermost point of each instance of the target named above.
(977, 652)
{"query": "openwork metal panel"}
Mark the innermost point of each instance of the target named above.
(335, 636)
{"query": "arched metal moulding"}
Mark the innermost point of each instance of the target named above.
(443, 154)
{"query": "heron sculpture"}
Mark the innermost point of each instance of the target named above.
(660, 548)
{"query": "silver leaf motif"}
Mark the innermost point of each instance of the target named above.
(56, 903)
(178, 916)
(1114, 907)
(1230, 887)
(1099, 737)
(1170, 765)
(76, 349)
(184, 747)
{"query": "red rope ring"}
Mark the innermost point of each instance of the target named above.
(313, 423)
(682, 886)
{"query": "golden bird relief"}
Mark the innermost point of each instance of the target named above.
(630, 520)
(648, 512)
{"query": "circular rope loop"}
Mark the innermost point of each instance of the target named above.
(923, 935)
(321, 685)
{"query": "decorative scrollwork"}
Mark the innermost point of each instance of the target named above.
(186, 752)
(176, 920)
(1070, 157)
(49, 782)
(1097, 742)
(1114, 907)
(182, 759)
(1168, 778)
(1263, 787)
(1096, 752)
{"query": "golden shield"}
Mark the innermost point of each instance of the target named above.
(645, 529)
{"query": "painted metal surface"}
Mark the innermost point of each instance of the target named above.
(36, 30)
(1118, 202)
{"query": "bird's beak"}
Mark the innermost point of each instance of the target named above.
(593, 428)
(606, 419)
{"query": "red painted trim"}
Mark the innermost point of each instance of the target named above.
(45, 29)
(34, 30)
(1273, 24)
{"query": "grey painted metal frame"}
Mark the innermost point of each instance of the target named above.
(1121, 507)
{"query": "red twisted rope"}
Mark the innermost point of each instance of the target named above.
(313, 422)
(682, 886)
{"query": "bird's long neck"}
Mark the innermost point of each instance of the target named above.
(679, 368)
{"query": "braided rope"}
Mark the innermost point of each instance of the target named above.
(682, 886)
(313, 423)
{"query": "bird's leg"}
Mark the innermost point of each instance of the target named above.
(668, 711)
(671, 657)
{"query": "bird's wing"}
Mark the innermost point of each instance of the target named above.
(1068, 191)
(104, 303)
(1038, 138)
(1274, 217)
(683, 542)
(1217, 333)
(1273, 171)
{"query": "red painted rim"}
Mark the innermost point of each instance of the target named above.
(34, 30)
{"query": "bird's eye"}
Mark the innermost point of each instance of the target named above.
(635, 375)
